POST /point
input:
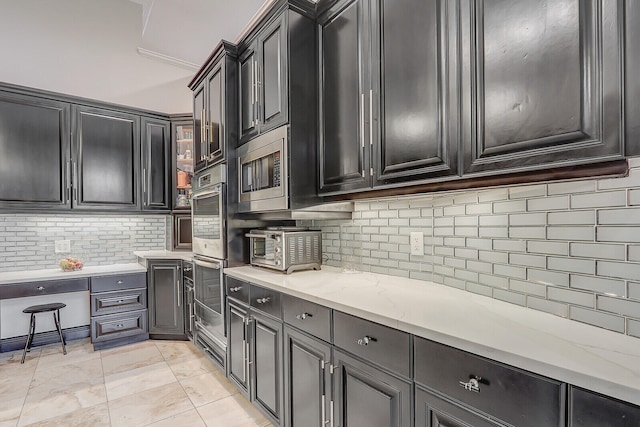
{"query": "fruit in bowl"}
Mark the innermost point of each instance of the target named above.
(71, 264)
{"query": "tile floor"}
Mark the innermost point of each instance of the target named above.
(153, 383)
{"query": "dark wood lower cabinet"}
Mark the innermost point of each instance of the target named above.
(237, 344)
(254, 357)
(589, 409)
(307, 380)
(266, 363)
(433, 411)
(166, 305)
(365, 396)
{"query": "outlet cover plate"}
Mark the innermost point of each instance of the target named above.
(417, 243)
(62, 246)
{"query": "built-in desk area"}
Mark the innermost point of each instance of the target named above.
(20, 289)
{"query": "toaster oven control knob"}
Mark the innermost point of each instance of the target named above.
(278, 262)
(278, 250)
(278, 239)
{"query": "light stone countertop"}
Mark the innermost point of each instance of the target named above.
(579, 354)
(185, 256)
(10, 277)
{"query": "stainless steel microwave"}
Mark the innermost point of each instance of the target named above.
(263, 173)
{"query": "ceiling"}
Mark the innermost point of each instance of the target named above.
(186, 31)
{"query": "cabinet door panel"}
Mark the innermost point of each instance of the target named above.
(155, 164)
(34, 142)
(432, 411)
(343, 158)
(593, 410)
(306, 380)
(165, 298)
(547, 83)
(237, 345)
(267, 365)
(199, 138)
(272, 75)
(215, 135)
(248, 119)
(417, 87)
(106, 150)
(366, 396)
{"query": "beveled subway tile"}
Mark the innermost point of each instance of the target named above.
(548, 203)
(528, 288)
(572, 218)
(493, 220)
(634, 253)
(632, 180)
(571, 187)
(510, 271)
(552, 307)
(598, 250)
(528, 219)
(527, 260)
(548, 248)
(547, 277)
(585, 299)
(494, 281)
(596, 318)
(629, 216)
(618, 234)
(599, 200)
(621, 306)
(572, 265)
(527, 191)
(527, 232)
(634, 290)
(512, 297)
(510, 206)
(571, 233)
(510, 245)
(476, 288)
(619, 270)
(598, 284)
(633, 328)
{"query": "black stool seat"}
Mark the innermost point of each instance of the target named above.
(43, 308)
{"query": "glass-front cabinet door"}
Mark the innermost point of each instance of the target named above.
(184, 161)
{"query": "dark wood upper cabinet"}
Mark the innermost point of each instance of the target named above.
(156, 164)
(215, 106)
(272, 75)
(344, 161)
(413, 102)
(199, 140)
(105, 155)
(388, 93)
(34, 142)
(248, 94)
(542, 83)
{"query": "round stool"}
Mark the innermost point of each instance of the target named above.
(43, 308)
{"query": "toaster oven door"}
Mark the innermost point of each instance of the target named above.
(264, 250)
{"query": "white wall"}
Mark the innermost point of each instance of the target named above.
(87, 48)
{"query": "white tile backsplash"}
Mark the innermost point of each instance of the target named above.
(27, 241)
(555, 247)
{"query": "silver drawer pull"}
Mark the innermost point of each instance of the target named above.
(473, 384)
(188, 269)
(120, 301)
(236, 289)
(119, 282)
(40, 288)
(263, 300)
(303, 316)
(366, 340)
(119, 325)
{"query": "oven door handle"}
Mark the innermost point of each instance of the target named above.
(207, 264)
(257, 236)
(216, 190)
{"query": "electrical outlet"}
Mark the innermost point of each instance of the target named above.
(62, 246)
(417, 243)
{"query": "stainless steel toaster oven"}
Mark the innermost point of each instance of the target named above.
(286, 248)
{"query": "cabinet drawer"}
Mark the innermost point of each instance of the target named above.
(47, 287)
(237, 289)
(118, 301)
(590, 409)
(376, 343)
(118, 282)
(265, 300)
(509, 394)
(307, 316)
(120, 325)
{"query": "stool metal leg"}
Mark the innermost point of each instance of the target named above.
(32, 329)
(62, 341)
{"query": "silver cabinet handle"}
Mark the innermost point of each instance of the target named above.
(188, 269)
(235, 289)
(364, 341)
(263, 300)
(303, 316)
(472, 385)
(75, 182)
(178, 293)
(370, 116)
(362, 120)
(40, 288)
(68, 181)
(119, 282)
